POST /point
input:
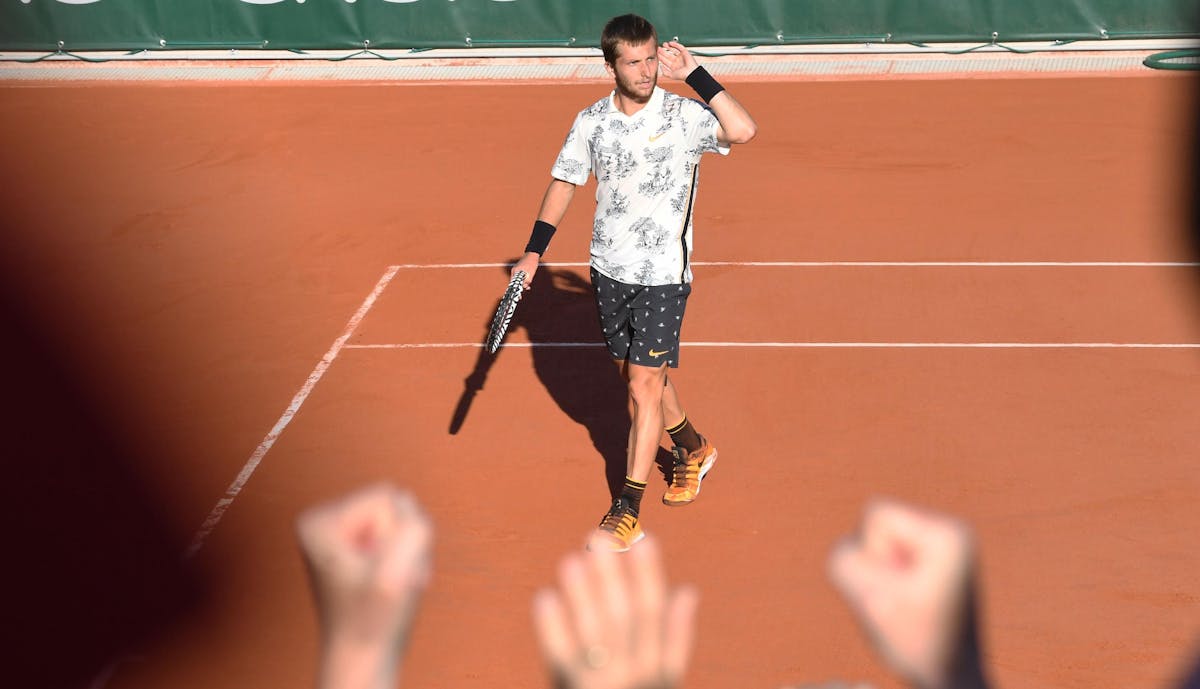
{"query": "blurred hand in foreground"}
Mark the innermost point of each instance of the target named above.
(909, 576)
(369, 559)
(613, 624)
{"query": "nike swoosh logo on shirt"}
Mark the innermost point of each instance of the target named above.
(656, 137)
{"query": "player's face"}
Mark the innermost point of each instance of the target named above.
(636, 70)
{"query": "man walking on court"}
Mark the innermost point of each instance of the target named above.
(644, 146)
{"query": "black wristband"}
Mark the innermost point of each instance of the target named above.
(539, 239)
(704, 84)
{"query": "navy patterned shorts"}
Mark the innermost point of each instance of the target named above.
(641, 324)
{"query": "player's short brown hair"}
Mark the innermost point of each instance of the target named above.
(627, 28)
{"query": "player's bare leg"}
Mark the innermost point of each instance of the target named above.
(620, 529)
(646, 386)
(623, 368)
(672, 410)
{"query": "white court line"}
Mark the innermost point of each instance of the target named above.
(817, 345)
(854, 264)
(465, 345)
(952, 264)
(836, 345)
(218, 510)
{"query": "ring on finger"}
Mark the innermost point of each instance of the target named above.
(595, 656)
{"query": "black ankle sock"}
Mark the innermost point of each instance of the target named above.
(684, 435)
(632, 494)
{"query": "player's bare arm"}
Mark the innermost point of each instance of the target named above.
(736, 124)
(554, 207)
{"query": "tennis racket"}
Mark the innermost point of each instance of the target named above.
(504, 312)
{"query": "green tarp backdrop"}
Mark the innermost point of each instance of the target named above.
(42, 25)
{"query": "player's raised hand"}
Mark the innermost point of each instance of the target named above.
(369, 559)
(675, 61)
(614, 624)
(909, 576)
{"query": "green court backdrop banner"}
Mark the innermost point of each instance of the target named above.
(80, 25)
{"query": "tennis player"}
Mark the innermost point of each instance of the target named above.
(644, 146)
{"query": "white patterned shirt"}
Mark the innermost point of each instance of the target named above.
(647, 169)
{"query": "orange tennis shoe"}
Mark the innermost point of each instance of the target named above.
(618, 531)
(688, 471)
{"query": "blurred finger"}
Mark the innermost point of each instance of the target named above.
(366, 517)
(647, 591)
(310, 528)
(905, 536)
(679, 633)
(580, 599)
(414, 530)
(903, 520)
(852, 571)
(327, 537)
(893, 533)
(553, 626)
(406, 557)
(612, 596)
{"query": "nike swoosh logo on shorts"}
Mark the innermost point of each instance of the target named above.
(657, 354)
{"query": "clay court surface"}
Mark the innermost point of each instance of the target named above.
(202, 247)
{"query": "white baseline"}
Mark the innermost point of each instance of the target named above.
(849, 264)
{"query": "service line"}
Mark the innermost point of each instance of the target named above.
(812, 345)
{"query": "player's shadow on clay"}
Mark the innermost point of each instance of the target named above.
(582, 380)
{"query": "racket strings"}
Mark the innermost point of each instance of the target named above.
(504, 312)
